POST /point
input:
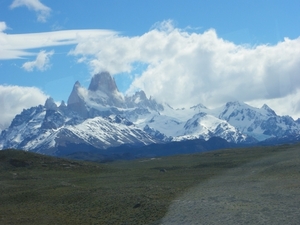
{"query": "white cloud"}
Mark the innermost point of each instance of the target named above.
(190, 68)
(13, 99)
(3, 26)
(42, 62)
(184, 68)
(43, 12)
(14, 46)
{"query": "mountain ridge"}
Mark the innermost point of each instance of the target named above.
(102, 118)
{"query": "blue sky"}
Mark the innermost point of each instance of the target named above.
(207, 52)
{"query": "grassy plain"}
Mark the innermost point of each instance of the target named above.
(37, 189)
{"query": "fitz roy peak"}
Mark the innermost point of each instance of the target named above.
(100, 117)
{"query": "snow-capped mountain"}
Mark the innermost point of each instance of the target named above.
(205, 126)
(187, 124)
(260, 123)
(101, 117)
(43, 130)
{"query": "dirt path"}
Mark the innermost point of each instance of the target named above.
(262, 192)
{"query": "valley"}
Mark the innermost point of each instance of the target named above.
(258, 184)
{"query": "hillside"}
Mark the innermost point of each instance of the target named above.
(235, 185)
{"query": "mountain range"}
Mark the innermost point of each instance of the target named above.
(101, 118)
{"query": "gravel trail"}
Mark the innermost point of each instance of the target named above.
(262, 192)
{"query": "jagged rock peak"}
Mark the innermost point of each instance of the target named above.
(62, 105)
(199, 106)
(103, 82)
(139, 96)
(77, 85)
(268, 109)
(76, 101)
(75, 96)
(235, 103)
(139, 99)
(50, 104)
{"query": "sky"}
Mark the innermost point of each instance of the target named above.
(180, 52)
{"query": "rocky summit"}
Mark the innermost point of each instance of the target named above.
(103, 82)
(100, 118)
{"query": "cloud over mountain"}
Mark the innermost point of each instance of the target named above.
(187, 68)
(13, 99)
(182, 68)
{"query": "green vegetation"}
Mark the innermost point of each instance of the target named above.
(38, 189)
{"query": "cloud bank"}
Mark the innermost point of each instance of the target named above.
(182, 68)
(13, 99)
(190, 68)
(42, 11)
